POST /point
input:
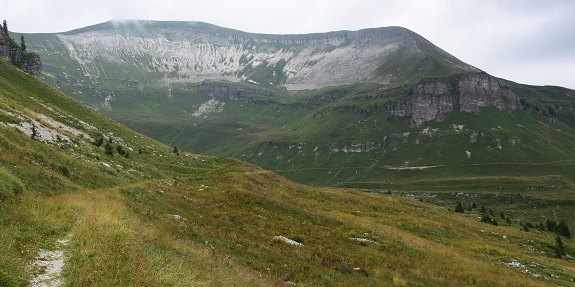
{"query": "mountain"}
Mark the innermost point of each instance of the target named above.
(84, 201)
(379, 108)
(180, 52)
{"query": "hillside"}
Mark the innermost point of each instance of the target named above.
(349, 108)
(155, 53)
(97, 204)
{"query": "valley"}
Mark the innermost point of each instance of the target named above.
(186, 154)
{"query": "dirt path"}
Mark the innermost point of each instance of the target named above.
(46, 268)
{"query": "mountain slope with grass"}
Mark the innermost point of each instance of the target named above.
(116, 208)
(380, 108)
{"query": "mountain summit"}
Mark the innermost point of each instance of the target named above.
(196, 51)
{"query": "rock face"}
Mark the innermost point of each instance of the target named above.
(481, 90)
(25, 61)
(33, 65)
(361, 147)
(471, 92)
(191, 52)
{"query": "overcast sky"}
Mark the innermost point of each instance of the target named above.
(527, 41)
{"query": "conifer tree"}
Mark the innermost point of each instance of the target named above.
(5, 27)
(22, 43)
(559, 247)
(459, 208)
(551, 225)
(563, 229)
(109, 149)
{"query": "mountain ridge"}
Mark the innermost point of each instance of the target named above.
(200, 51)
(287, 103)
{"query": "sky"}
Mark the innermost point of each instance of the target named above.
(526, 41)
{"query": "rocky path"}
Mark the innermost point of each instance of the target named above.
(46, 268)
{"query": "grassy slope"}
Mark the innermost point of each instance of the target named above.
(292, 134)
(123, 231)
(262, 134)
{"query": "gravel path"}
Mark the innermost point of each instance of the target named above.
(46, 268)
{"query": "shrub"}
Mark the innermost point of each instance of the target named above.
(109, 149)
(65, 171)
(459, 208)
(486, 218)
(120, 150)
(98, 141)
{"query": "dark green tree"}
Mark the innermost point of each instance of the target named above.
(563, 229)
(459, 208)
(120, 150)
(109, 149)
(541, 226)
(34, 132)
(559, 247)
(22, 43)
(486, 218)
(5, 27)
(551, 225)
(99, 141)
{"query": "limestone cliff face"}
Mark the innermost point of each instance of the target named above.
(353, 148)
(25, 61)
(192, 52)
(481, 90)
(471, 92)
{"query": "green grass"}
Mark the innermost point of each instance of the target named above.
(160, 218)
(312, 122)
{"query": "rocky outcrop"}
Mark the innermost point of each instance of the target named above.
(361, 147)
(481, 90)
(421, 108)
(235, 93)
(25, 61)
(471, 92)
(32, 65)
